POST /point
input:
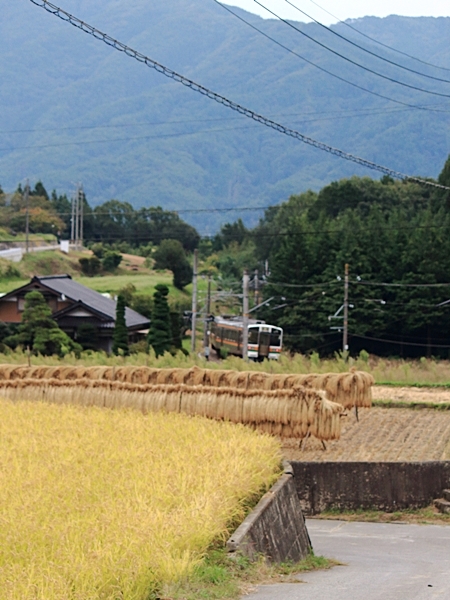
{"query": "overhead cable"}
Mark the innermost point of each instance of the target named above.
(350, 60)
(65, 16)
(304, 116)
(342, 37)
(310, 62)
(424, 62)
(400, 343)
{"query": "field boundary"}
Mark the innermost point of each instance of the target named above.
(397, 384)
(411, 405)
(386, 486)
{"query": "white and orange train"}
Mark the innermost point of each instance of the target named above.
(264, 341)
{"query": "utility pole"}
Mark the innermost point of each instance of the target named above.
(77, 218)
(345, 330)
(256, 287)
(194, 300)
(27, 217)
(77, 224)
(245, 316)
(206, 325)
(81, 210)
(72, 222)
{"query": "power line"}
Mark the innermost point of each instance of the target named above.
(318, 66)
(346, 58)
(413, 285)
(378, 42)
(333, 114)
(342, 37)
(365, 337)
(65, 16)
(129, 139)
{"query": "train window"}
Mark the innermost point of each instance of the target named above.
(275, 338)
(253, 335)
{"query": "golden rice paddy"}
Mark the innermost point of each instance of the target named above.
(112, 504)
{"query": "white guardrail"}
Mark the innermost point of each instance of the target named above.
(16, 254)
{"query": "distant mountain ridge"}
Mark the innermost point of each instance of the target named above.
(75, 110)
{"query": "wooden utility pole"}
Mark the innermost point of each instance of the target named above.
(206, 323)
(345, 329)
(27, 217)
(194, 300)
(245, 316)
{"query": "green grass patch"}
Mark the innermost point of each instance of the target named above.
(414, 385)
(143, 282)
(225, 576)
(411, 405)
(424, 516)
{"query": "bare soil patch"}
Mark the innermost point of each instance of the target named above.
(381, 435)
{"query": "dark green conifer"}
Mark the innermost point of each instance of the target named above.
(160, 335)
(120, 335)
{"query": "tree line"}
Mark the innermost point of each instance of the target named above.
(394, 235)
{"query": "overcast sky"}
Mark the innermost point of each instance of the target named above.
(347, 9)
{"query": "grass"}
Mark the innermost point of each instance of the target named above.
(102, 505)
(411, 405)
(5, 236)
(381, 369)
(144, 283)
(421, 516)
(224, 576)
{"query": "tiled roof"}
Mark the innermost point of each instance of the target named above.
(65, 285)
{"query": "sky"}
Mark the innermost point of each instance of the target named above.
(346, 9)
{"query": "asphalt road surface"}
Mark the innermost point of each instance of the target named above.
(383, 561)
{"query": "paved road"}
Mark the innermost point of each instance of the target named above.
(382, 562)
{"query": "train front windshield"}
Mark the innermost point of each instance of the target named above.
(253, 335)
(275, 337)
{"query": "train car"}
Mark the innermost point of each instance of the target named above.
(264, 341)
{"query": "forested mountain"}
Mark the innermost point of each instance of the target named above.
(74, 109)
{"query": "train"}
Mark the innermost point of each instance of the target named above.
(264, 340)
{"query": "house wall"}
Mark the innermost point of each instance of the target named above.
(9, 312)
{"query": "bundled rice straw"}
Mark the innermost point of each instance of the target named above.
(295, 412)
(351, 389)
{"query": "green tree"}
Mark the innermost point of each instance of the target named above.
(111, 260)
(160, 335)
(120, 335)
(39, 331)
(171, 255)
(87, 336)
(90, 266)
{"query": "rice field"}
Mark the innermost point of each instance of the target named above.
(112, 504)
(382, 434)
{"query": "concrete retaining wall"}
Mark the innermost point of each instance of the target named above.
(383, 486)
(275, 528)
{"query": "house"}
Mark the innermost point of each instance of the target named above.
(72, 306)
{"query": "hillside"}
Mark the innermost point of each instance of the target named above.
(77, 110)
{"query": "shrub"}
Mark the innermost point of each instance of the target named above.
(111, 261)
